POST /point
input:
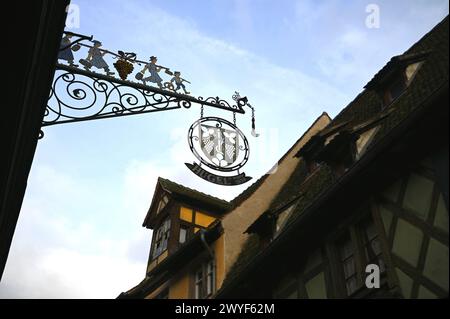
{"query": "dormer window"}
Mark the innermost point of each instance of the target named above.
(395, 89)
(394, 78)
(411, 71)
(310, 150)
(340, 152)
(400, 82)
(162, 203)
(282, 218)
(364, 140)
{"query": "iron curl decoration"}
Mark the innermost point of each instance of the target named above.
(77, 97)
(79, 93)
(217, 101)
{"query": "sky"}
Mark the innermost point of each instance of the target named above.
(80, 234)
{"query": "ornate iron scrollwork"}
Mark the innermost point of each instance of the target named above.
(77, 95)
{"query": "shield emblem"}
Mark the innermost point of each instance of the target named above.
(221, 146)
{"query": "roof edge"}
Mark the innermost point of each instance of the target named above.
(239, 201)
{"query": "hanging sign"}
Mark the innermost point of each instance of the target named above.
(220, 146)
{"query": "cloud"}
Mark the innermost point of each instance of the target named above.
(65, 273)
(79, 233)
(58, 255)
(347, 53)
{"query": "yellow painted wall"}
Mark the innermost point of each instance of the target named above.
(186, 214)
(156, 261)
(163, 256)
(152, 265)
(203, 219)
(179, 289)
(220, 260)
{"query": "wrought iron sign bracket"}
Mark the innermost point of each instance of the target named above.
(80, 94)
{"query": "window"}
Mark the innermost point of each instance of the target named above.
(358, 247)
(364, 141)
(204, 280)
(191, 221)
(183, 234)
(411, 70)
(347, 260)
(340, 152)
(162, 203)
(161, 238)
(371, 244)
(199, 287)
(395, 89)
(282, 218)
(209, 278)
(400, 82)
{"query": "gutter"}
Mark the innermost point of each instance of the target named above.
(211, 254)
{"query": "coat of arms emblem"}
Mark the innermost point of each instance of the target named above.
(220, 146)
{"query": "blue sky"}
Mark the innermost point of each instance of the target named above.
(79, 234)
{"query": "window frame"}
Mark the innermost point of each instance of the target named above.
(205, 285)
(387, 97)
(288, 209)
(349, 234)
(426, 226)
(162, 235)
(189, 230)
(191, 226)
(353, 227)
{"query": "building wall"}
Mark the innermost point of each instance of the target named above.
(238, 220)
(219, 253)
(415, 221)
(179, 288)
(412, 226)
(154, 294)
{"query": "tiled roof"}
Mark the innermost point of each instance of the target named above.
(193, 194)
(310, 189)
(393, 66)
(366, 106)
(252, 188)
(290, 188)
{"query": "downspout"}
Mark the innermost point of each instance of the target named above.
(211, 254)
